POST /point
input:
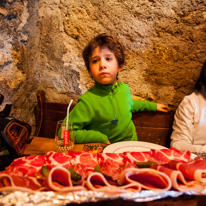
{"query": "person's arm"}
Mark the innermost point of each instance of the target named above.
(183, 128)
(89, 136)
(162, 107)
(81, 116)
(143, 106)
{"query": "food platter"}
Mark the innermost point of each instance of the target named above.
(131, 146)
(79, 193)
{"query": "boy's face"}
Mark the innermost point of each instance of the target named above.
(104, 66)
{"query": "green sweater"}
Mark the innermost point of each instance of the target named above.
(96, 109)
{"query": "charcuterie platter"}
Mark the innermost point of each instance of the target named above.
(131, 146)
(105, 175)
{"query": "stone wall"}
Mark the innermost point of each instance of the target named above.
(41, 44)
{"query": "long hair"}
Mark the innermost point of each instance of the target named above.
(200, 85)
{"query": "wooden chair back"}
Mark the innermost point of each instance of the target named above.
(49, 113)
(154, 127)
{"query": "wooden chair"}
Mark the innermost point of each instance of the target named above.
(49, 113)
(154, 127)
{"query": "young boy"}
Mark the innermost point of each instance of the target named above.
(103, 113)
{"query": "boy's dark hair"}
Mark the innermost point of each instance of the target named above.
(104, 40)
(201, 82)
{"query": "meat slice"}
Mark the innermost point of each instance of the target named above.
(97, 182)
(111, 170)
(53, 159)
(178, 181)
(59, 180)
(89, 160)
(114, 170)
(133, 157)
(117, 158)
(82, 170)
(165, 155)
(149, 179)
(13, 171)
(194, 170)
(28, 165)
(18, 183)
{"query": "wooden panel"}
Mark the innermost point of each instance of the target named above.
(48, 129)
(56, 106)
(159, 136)
(41, 104)
(153, 119)
(54, 115)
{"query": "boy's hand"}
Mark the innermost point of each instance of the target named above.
(162, 107)
(108, 142)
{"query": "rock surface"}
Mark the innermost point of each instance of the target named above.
(41, 44)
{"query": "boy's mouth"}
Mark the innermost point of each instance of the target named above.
(103, 73)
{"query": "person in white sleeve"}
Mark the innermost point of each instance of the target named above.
(189, 126)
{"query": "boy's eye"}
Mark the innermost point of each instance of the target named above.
(94, 61)
(109, 58)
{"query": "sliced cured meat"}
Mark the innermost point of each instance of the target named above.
(116, 158)
(82, 170)
(97, 182)
(54, 159)
(89, 160)
(13, 171)
(149, 179)
(178, 181)
(133, 157)
(113, 170)
(28, 165)
(118, 172)
(127, 166)
(59, 180)
(165, 155)
(20, 183)
(194, 170)
(181, 156)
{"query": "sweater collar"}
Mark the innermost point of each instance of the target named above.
(107, 88)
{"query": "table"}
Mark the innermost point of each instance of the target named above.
(42, 145)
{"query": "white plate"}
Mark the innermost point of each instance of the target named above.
(131, 146)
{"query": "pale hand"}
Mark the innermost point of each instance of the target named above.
(162, 107)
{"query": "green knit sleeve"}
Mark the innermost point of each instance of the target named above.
(143, 106)
(89, 136)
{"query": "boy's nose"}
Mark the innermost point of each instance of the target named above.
(102, 64)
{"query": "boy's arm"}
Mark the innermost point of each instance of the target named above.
(81, 116)
(89, 136)
(143, 106)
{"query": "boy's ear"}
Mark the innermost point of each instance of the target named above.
(120, 68)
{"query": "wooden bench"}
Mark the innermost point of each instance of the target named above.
(154, 127)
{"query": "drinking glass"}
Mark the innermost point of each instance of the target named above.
(64, 140)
